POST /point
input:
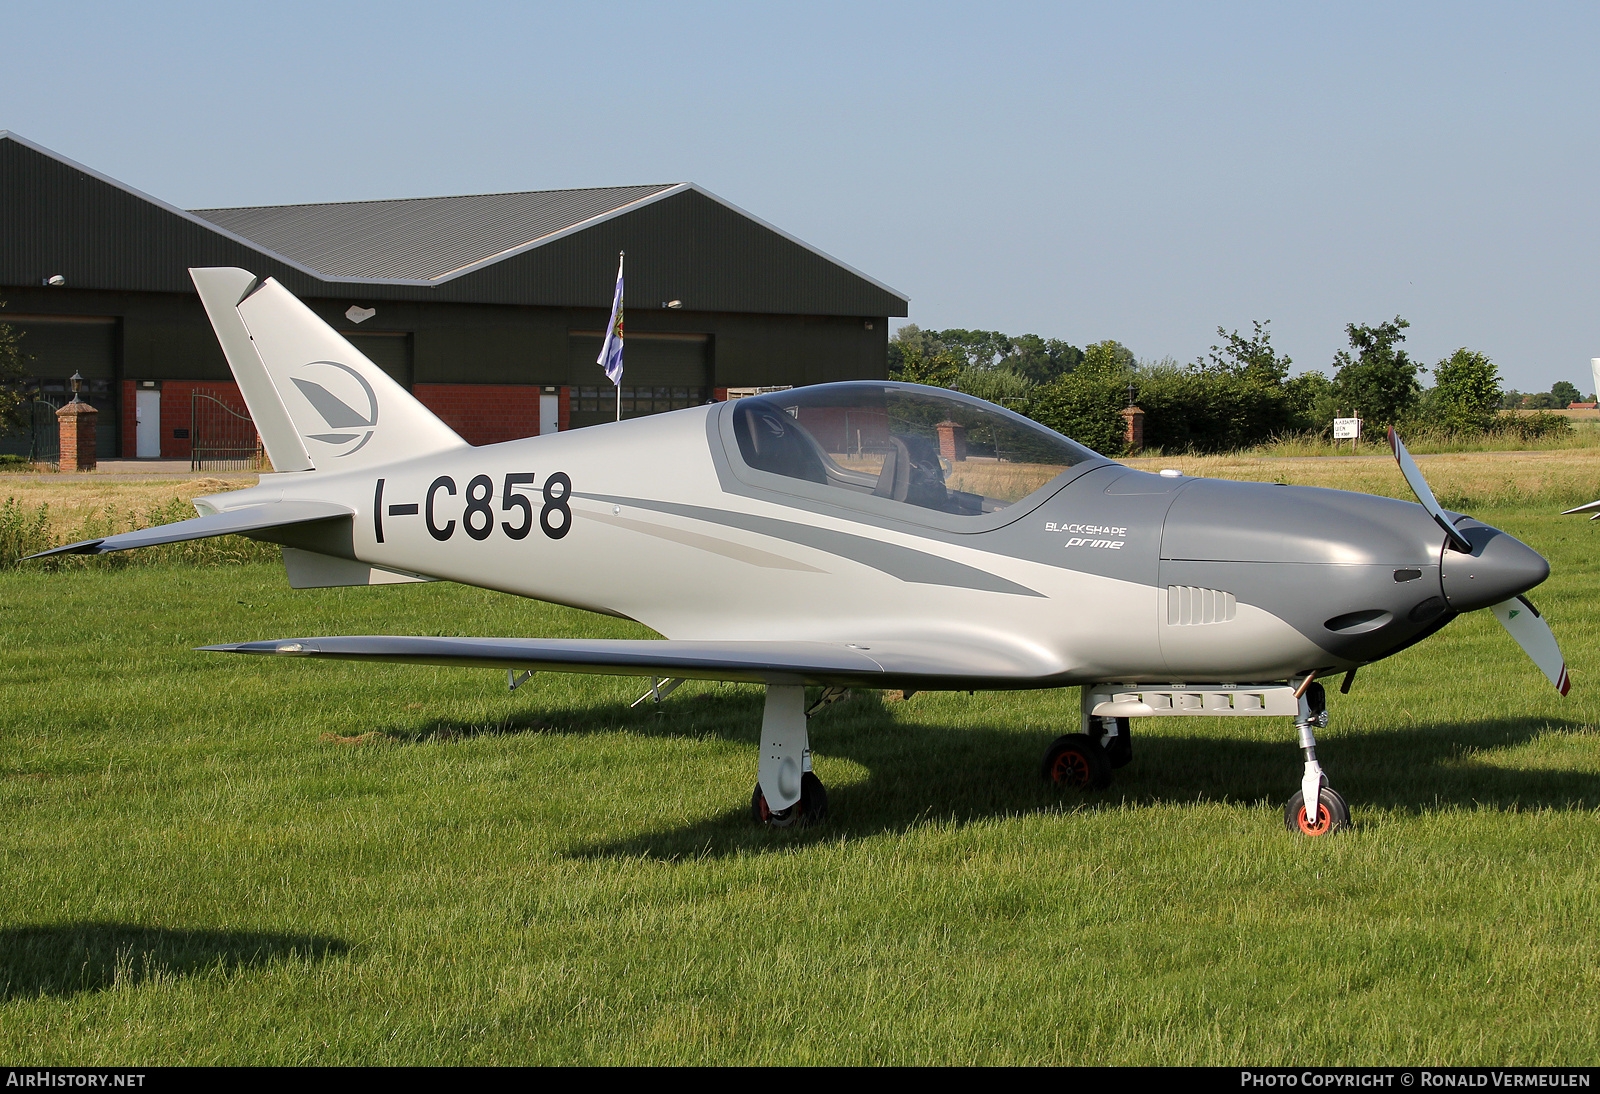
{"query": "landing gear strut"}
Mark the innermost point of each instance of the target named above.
(1316, 809)
(788, 793)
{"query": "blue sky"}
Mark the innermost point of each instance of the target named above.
(1143, 172)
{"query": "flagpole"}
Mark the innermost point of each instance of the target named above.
(610, 357)
(618, 385)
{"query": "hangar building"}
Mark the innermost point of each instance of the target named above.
(488, 307)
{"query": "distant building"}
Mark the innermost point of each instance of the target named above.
(488, 307)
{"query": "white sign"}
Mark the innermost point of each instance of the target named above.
(1346, 429)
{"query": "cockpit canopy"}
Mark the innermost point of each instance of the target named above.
(936, 449)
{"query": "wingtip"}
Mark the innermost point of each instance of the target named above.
(290, 647)
(87, 547)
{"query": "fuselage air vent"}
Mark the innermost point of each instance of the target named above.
(1188, 606)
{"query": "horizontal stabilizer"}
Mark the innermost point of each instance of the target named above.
(838, 664)
(242, 521)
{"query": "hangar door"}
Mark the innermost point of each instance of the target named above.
(389, 350)
(53, 348)
(659, 372)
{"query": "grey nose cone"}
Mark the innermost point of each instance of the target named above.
(1499, 567)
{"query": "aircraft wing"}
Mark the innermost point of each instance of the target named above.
(241, 521)
(868, 664)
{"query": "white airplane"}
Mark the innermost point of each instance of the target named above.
(855, 535)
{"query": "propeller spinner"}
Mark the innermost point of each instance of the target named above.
(1485, 568)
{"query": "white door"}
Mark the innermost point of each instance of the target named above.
(549, 413)
(147, 417)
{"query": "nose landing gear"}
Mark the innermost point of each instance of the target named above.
(1316, 809)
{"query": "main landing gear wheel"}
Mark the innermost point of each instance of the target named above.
(1078, 761)
(810, 809)
(1332, 814)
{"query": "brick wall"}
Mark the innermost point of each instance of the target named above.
(485, 413)
(176, 411)
(480, 413)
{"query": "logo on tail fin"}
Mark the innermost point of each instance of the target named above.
(348, 423)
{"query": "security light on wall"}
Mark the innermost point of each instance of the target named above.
(673, 304)
(55, 281)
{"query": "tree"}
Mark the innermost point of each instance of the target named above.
(910, 337)
(936, 367)
(981, 348)
(1107, 360)
(1565, 393)
(1040, 360)
(1379, 382)
(1251, 358)
(1466, 391)
(11, 375)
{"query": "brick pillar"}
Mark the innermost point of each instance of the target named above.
(1134, 419)
(952, 441)
(77, 422)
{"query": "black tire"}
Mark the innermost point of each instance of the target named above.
(1119, 750)
(1076, 760)
(810, 809)
(1333, 814)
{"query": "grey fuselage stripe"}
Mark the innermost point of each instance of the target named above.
(714, 544)
(893, 559)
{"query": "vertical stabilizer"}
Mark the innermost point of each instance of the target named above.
(315, 398)
(221, 289)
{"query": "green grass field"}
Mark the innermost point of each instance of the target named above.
(213, 859)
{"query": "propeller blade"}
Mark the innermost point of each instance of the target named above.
(1419, 487)
(1527, 626)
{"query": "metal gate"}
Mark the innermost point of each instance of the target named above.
(43, 429)
(221, 438)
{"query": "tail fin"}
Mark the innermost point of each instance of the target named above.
(317, 401)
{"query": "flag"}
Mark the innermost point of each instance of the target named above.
(610, 357)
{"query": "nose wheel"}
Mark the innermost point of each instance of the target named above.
(1332, 814)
